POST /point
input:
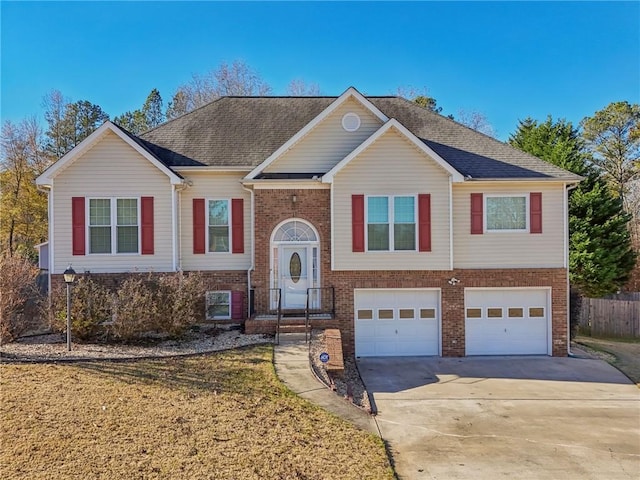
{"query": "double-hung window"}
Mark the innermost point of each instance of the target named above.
(391, 223)
(218, 226)
(218, 304)
(506, 213)
(114, 222)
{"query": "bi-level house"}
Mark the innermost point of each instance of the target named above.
(411, 233)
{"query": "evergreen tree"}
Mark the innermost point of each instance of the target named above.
(135, 121)
(152, 109)
(600, 254)
(146, 118)
(70, 123)
(613, 135)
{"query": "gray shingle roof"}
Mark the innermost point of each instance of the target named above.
(244, 131)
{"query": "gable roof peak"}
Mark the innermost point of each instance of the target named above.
(108, 126)
(349, 93)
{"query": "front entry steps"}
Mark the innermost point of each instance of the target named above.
(267, 324)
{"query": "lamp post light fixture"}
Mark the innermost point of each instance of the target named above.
(69, 277)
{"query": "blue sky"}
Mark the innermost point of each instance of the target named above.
(508, 60)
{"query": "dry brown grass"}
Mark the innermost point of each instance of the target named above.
(219, 416)
(626, 353)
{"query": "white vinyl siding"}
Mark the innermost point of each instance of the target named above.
(509, 249)
(111, 169)
(391, 166)
(223, 186)
(328, 143)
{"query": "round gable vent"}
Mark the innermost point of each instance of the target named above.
(351, 122)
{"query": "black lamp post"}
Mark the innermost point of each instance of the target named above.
(69, 277)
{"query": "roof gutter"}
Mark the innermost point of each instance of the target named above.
(565, 181)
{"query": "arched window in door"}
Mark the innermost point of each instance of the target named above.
(295, 262)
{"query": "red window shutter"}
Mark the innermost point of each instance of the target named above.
(237, 225)
(78, 222)
(357, 223)
(237, 305)
(199, 225)
(146, 207)
(477, 208)
(535, 212)
(424, 222)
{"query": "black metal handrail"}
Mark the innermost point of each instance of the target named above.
(277, 300)
(320, 300)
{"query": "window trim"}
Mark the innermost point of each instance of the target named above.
(113, 225)
(218, 317)
(391, 222)
(208, 226)
(527, 213)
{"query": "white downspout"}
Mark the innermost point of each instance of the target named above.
(450, 222)
(174, 227)
(566, 260)
(176, 199)
(48, 190)
(253, 247)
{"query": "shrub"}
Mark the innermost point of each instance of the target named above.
(90, 308)
(135, 309)
(180, 302)
(164, 304)
(20, 298)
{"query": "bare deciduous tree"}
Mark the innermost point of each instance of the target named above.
(299, 88)
(237, 78)
(23, 209)
(476, 121)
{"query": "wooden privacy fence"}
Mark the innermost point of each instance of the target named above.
(610, 317)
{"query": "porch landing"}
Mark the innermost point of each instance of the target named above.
(267, 323)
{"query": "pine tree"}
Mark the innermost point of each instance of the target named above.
(152, 109)
(600, 253)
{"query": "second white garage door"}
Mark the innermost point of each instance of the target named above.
(507, 321)
(397, 322)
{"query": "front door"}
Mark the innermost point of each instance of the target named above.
(294, 275)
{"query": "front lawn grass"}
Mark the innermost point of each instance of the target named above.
(216, 416)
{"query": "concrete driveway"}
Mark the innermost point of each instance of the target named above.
(506, 417)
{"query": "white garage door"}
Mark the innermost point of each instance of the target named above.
(507, 321)
(396, 322)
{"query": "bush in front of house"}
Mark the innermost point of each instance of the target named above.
(142, 306)
(90, 308)
(20, 298)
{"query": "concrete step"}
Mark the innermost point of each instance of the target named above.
(292, 337)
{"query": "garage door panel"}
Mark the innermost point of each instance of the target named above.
(396, 327)
(502, 322)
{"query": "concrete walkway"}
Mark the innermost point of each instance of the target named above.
(291, 359)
